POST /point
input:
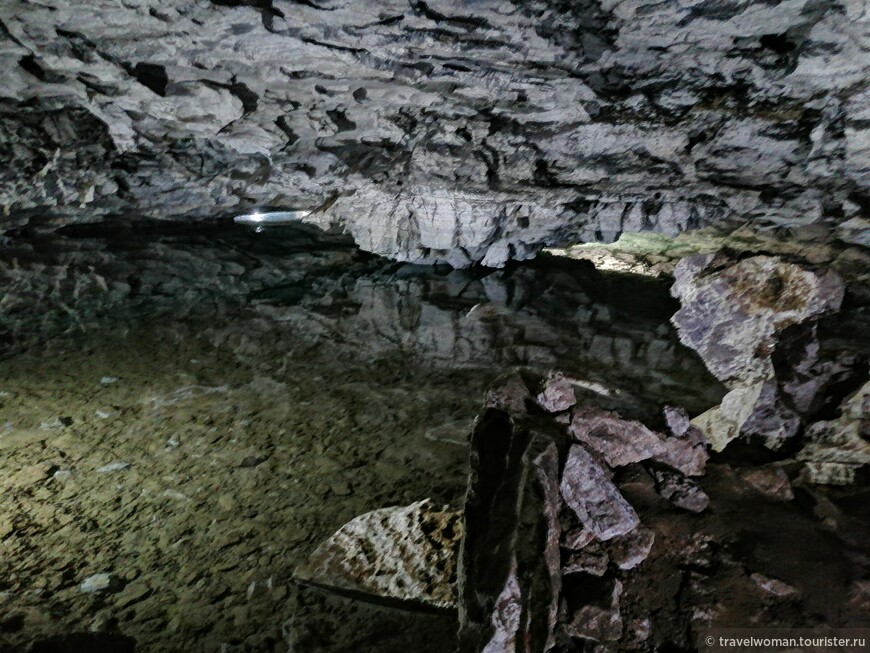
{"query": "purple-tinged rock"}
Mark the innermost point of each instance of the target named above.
(681, 454)
(619, 442)
(732, 312)
(629, 551)
(557, 395)
(680, 491)
(589, 492)
(677, 420)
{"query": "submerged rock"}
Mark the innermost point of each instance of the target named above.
(102, 582)
(402, 554)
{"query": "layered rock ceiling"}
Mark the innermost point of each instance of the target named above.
(437, 131)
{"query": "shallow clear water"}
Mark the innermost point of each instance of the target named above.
(194, 408)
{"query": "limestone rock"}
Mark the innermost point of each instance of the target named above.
(836, 451)
(557, 395)
(439, 132)
(733, 312)
(677, 420)
(680, 491)
(621, 442)
(589, 492)
(510, 578)
(754, 410)
(751, 322)
(403, 554)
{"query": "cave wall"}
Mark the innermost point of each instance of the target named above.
(438, 131)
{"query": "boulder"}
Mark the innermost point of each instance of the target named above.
(753, 411)
(620, 442)
(510, 577)
(736, 314)
(732, 312)
(399, 554)
(587, 489)
(836, 451)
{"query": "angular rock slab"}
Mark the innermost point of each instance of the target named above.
(835, 451)
(752, 410)
(732, 312)
(621, 442)
(510, 572)
(587, 489)
(405, 554)
(557, 394)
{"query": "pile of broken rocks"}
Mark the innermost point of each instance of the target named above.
(585, 531)
(548, 534)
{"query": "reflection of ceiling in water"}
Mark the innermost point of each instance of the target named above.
(233, 286)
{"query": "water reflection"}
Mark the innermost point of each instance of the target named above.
(192, 409)
(298, 286)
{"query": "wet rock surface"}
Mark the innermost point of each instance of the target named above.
(437, 131)
(248, 394)
(189, 414)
